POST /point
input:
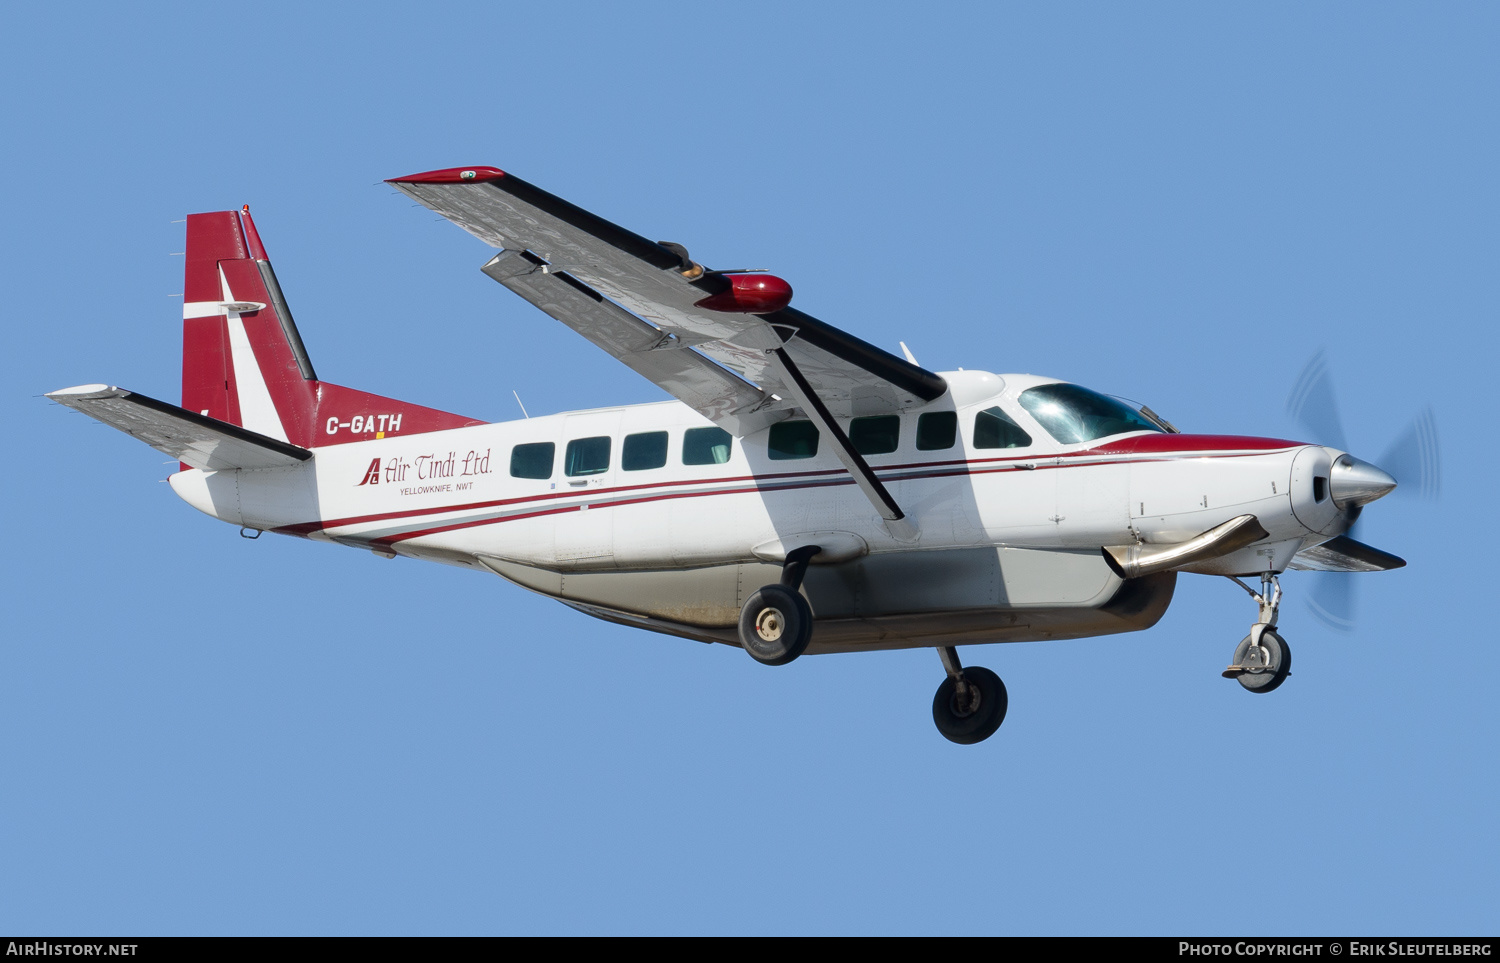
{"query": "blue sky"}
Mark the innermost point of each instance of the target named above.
(1177, 203)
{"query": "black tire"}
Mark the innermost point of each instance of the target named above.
(1270, 677)
(969, 724)
(775, 625)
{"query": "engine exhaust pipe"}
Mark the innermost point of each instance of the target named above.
(1134, 561)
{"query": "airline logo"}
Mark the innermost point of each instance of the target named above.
(426, 468)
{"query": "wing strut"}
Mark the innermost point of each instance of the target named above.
(895, 519)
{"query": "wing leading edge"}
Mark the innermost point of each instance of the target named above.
(622, 274)
(678, 325)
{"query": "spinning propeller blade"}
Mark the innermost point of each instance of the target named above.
(1313, 404)
(1413, 459)
(1333, 599)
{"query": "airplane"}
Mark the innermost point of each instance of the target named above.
(805, 492)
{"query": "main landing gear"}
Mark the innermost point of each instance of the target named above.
(776, 622)
(970, 704)
(1263, 660)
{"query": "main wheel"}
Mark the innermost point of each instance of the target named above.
(775, 625)
(1264, 672)
(973, 719)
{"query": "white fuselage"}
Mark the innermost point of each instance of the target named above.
(450, 496)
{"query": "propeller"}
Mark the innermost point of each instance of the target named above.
(1412, 459)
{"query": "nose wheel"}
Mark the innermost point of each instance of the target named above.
(970, 704)
(1262, 660)
(1264, 665)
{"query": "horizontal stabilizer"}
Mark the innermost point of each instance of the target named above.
(1344, 554)
(191, 438)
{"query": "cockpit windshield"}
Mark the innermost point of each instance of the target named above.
(1073, 414)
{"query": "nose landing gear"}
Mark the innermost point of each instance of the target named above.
(1263, 660)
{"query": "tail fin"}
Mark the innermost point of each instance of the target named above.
(243, 360)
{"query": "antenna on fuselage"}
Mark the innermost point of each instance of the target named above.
(518, 401)
(907, 351)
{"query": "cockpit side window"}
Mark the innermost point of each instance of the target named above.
(993, 428)
(1073, 414)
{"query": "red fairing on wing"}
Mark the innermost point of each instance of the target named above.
(1164, 443)
(451, 175)
(750, 294)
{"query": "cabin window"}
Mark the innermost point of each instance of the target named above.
(706, 446)
(792, 439)
(645, 450)
(993, 428)
(876, 434)
(937, 430)
(1073, 414)
(532, 461)
(587, 456)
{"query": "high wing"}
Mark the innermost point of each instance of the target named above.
(714, 392)
(744, 362)
(191, 438)
(657, 284)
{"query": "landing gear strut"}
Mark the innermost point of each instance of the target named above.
(1263, 660)
(776, 623)
(970, 704)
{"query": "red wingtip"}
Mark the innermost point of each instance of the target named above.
(252, 236)
(451, 175)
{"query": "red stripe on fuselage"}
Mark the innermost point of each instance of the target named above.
(1213, 446)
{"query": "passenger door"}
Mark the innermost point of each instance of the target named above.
(589, 458)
